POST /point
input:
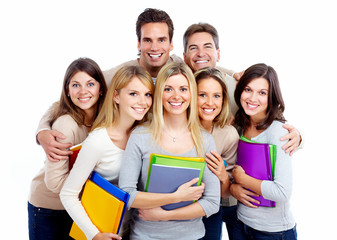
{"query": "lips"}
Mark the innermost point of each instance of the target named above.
(208, 110)
(155, 56)
(201, 61)
(84, 99)
(139, 110)
(176, 104)
(252, 106)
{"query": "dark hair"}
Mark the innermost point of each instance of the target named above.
(65, 105)
(201, 27)
(275, 107)
(151, 15)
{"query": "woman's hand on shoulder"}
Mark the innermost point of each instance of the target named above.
(216, 164)
(187, 192)
(106, 236)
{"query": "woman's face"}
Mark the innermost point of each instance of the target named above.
(254, 98)
(176, 96)
(210, 99)
(84, 91)
(135, 100)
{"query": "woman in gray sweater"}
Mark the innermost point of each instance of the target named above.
(260, 118)
(174, 130)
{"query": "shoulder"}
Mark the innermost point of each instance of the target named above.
(140, 134)
(65, 123)
(228, 132)
(275, 131)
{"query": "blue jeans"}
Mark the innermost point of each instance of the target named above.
(244, 232)
(48, 224)
(213, 224)
(229, 217)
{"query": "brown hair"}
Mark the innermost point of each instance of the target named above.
(224, 116)
(66, 106)
(151, 15)
(275, 101)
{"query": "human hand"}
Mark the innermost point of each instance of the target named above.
(152, 214)
(216, 164)
(294, 139)
(106, 236)
(238, 75)
(238, 173)
(54, 150)
(187, 192)
(243, 195)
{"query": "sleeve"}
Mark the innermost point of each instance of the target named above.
(210, 201)
(280, 189)
(86, 161)
(57, 172)
(131, 167)
(231, 140)
(44, 123)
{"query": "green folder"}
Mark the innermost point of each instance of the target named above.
(173, 161)
(272, 152)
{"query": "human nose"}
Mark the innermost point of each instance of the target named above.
(154, 46)
(209, 101)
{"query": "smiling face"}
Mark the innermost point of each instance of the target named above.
(210, 99)
(84, 91)
(154, 46)
(201, 51)
(254, 99)
(176, 96)
(134, 100)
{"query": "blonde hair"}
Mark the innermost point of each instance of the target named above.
(157, 123)
(109, 114)
(224, 117)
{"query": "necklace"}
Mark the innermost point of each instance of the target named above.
(174, 139)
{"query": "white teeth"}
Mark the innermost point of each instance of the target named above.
(139, 109)
(84, 99)
(176, 104)
(155, 55)
(208, 110)
(202, 61)
(252, 106)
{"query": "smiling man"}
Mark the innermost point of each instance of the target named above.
(154, 29)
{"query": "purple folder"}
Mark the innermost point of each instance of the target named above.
(254, 158)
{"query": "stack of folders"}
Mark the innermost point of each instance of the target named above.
(105, 205)
(167, 173)
(258, 161)
(72, 158)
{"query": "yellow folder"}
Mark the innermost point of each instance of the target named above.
(104, 210)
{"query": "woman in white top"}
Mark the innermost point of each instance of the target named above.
(82, 96)
(128, 100)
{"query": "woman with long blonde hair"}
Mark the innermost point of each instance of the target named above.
(174, 130)
(127, 103)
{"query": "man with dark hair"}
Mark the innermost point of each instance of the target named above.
(154, 30)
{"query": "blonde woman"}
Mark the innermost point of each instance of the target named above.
(128, 100)
(174, 130)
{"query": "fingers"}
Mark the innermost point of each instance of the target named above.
(57, 134)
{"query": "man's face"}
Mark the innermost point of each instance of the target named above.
(154, 45)
(201, 51)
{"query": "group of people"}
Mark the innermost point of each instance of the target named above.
(162, 104)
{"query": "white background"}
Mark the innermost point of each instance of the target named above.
(39, 39)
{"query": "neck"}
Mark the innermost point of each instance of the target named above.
(89, 117)
(152, 70)
(175, 122)
(208, 125)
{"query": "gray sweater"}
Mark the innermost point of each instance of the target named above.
(133, 176)
(279, 218)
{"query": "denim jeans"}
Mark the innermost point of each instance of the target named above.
(244, 232)
(229, 217)
(213, 226)
(48, 224)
